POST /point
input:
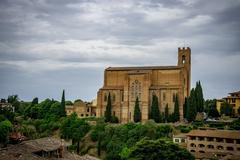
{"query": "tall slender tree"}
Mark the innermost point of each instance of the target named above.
(199, 97)
(63, 111)
(176, 110)
(108, 112)
(155, 113)
(191, 107)
(185, 107)
(137, 113)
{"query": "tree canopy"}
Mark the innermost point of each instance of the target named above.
(137, 113)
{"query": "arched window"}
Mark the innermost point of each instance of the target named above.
(201, 145)
(210, 146)
(136, 90)
(183, 59)
(114, 97)
(105, 97)
(193, 145)
(230, 148)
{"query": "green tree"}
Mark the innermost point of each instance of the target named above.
(75, 129)
(34, 101)
(155, 113)
(158, 150)
(226, 109)
(199, 97)
(137, 113)
(185, 107)
(166, 113)
(63, 105)
(191, 107)
(108, 112)
(212, 111)
(176, 110)
(5, 128)
(14, 101)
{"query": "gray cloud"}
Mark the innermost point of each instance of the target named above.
(48, 45)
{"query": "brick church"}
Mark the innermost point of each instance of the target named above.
(126, 83)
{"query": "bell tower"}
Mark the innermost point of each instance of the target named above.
(184, 60)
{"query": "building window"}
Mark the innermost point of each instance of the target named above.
(81, 115)
(113, 97)
(210, 139)
(86, 115)
(201, 138)
(220, 147)
(164, 96)
(105, 97)
(192, 145)
(192, 138)
(238, 141)
(219, 139)
(229, 140)
(230, 148)
(174, 97)
(183, 59)
(122, 96)
(201, 145)
(210, 146)
(87, 109)
(177, 140)
(113, 113)
(136, 90)
(238, 148)
(233, 100)
(183, 140)
(201, 152)
(192, 151)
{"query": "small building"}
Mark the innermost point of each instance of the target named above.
(83, 109)
(180, 139)
(204, 144)
(5, 105)
(233, 99)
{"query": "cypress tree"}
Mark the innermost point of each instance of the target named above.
(155, 113)
(185, 107)
(191, 107)
(63, 111)
(176, 110)
(108, 112)
(137, 112)
(199, 97)
(166, 114)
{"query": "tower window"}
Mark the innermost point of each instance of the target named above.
(183, 59)
(164, 96)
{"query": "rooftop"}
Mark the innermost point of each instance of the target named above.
(143, 68)
(215, 133)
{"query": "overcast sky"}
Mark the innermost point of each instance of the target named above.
(50, 45)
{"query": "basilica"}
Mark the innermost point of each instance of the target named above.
(126, 83)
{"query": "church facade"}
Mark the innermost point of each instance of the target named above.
(125, 84)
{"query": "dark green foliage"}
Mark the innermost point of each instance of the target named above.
(137, 113)
(191, 107)
(114, 119)
(166, 114)
(184, 129)
(34, 101)
(117, 139)
(75, 129)
(176, 113)
(108, 112)
(155, 113)
(185, 105)
(226, 109)
(14, 101)
(235, 125)
(5, 128)
(7, 113)
(158, 150)
(63, 105)
(217, 125)
(212, 109)
(199, 97)
(68, 103)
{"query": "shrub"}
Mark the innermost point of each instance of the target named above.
(114, 119)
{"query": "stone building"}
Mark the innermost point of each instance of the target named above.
(83, 109)
(126, 83)
(233, 99)
(216, 144)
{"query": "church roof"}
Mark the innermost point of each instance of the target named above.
(143, 68)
